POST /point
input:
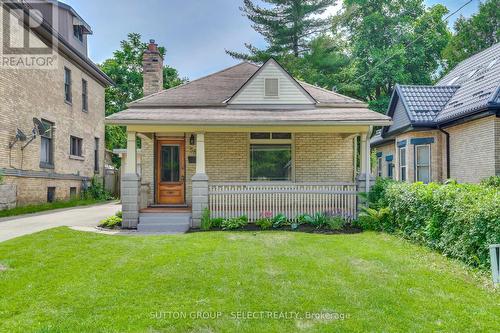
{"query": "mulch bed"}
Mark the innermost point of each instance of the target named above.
(303, 228)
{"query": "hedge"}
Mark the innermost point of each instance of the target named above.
(459, 220)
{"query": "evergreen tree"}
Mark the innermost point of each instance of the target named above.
(287, 26)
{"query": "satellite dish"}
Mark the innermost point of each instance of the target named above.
(40, 128)
(20, 136)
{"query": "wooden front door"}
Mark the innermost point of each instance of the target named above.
(170, 172)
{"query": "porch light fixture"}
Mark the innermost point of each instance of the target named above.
(192, 140)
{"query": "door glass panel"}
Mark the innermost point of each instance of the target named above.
(170, 163)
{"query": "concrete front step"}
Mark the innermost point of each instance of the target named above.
(164, 222)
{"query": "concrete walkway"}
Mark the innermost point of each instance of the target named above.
(74, 217)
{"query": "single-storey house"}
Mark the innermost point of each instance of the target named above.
(243, 141)
(447, 131)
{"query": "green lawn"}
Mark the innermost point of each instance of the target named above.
(30, 209)
(67, 281)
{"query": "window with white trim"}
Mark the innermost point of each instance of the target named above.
(390, 170)
(270, 156)
(423, 163)
(403, 169)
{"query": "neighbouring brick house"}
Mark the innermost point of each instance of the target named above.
(68, 98)
(447, 131)
(244, 140)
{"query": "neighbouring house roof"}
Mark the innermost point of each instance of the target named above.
(471, 87)
(205, 101)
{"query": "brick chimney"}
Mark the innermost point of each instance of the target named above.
(152, 63)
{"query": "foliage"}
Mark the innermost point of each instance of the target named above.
(111, 222)
(279, 221)
(392, 41)
(318, 220)
(459, 220)
(216, 222)
(376, 196)
(119, 214)
(493, 181)
(206, 222)
(234, 223)
(335, 221)
(125, 69)
(286, 25)
(1, 178)
(474, 34)
(264, 223)
(30, 209)
(96, 191)
(375, 219)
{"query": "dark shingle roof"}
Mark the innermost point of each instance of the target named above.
(214, 89)
(423, 103)
(479, 80)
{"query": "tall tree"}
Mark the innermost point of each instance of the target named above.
(287, 26)
(474, 34)
(392, 41)
(125, 69)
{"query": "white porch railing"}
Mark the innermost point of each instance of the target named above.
(291, 199)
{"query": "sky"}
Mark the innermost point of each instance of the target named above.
(195, 32)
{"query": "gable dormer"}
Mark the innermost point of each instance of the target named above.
(271, 85)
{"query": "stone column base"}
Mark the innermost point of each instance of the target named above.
(130, 200)
(200, 198)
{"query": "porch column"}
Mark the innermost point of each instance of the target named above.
(200, 182)
(365, 178)
(130, 192)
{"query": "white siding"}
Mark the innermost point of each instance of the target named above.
(254, 91)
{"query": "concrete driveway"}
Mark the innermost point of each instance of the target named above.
(73, 217)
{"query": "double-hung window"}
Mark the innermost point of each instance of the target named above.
(47, 146)
(67, 85)
(403, 169)
(85, 96)
(76, 146)
(379, 166)
(390, 170)
(423, 163)
(96, 155)
(270, 157)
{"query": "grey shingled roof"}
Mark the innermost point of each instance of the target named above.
(423, 103)
(214, 89)
(224, 115)
(479, 80)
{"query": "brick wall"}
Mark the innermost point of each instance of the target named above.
(321, 157)
(472, 150)
(28, 93)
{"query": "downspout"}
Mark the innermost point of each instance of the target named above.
(448, 163)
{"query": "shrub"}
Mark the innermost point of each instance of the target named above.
(216, 222)
(264, 223)
(206, 222)
(111, 222)
(493, 181)
(279, 221)
(234, 223)
(119, 214)
(459, 220)
(96, 191)
(374, 219)
(335, 222)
